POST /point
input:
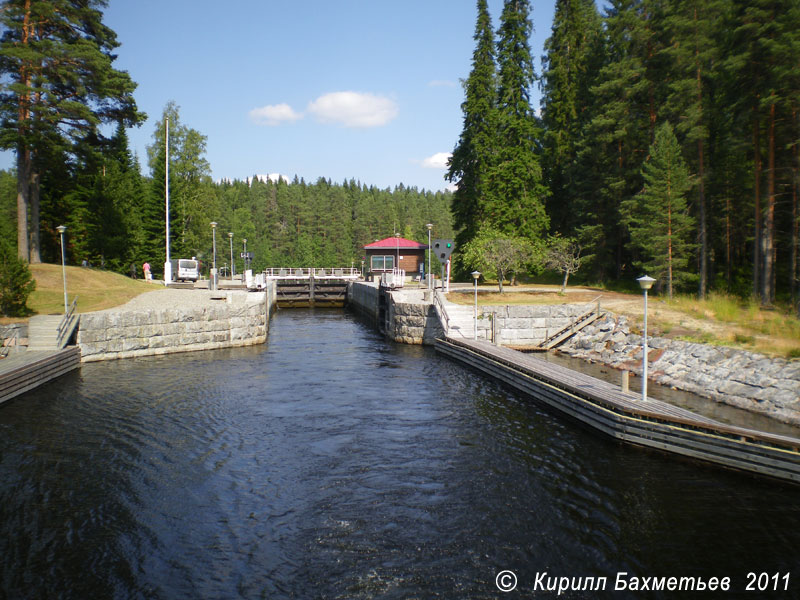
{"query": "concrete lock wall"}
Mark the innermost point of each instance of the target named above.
(238, 319)
(526, 325)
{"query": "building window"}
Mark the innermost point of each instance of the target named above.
(382, 263)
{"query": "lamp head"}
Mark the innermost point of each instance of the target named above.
(429, 226)
(213, 224)
(230, 234)
(475, 275)
(646, 282)
(61, 229)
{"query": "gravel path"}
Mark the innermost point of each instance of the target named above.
(168, 298)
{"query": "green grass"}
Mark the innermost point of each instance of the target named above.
(95, 289)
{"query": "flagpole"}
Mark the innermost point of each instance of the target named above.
(167, 264)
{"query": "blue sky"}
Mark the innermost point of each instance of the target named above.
(341, 89)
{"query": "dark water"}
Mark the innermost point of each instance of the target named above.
(331, 463)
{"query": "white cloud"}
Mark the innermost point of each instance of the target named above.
(354, 109)
(274, 114)
(437, 161)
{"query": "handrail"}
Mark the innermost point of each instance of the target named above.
(6, 348)
(62, 327)
(438, 305)
(306, 272)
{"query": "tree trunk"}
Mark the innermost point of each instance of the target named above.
(35, 249)
(768, 286)
(795, 223)
(703, 233)
(757, 206)
(564, 283)
(23, 191)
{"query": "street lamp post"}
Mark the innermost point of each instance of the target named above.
(233, 264)
(430, 265)
(645, 283)
(475, 276)
(397, 240)
(61, 229)
(214, 247)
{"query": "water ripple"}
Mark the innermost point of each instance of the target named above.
(330, 463)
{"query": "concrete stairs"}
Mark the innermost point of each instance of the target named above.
(44, 333)
(461, 320)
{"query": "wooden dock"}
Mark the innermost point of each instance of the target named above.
(27, 370)
(625, 416)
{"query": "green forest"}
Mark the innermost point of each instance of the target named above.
(666, 143)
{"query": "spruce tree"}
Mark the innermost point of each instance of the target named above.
(516, 198)
(573, 55)
(473, 154)
(661, 229)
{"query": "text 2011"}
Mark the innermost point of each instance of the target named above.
(767, 582)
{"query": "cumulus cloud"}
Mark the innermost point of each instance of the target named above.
(274, 114)
(437, 161)
(354, 109)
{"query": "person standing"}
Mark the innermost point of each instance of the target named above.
(147, 276)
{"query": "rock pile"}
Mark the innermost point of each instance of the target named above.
(770, 386)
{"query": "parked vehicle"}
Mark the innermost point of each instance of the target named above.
(185, 269)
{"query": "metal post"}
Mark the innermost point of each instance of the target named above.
(646, 283)
(167, 264)
(475, 276)
(61, 230)
(214, 252)
(233, 264)
(430, 264)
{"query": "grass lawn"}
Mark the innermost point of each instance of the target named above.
(96, 290)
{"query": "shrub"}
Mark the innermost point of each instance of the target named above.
(16, 283)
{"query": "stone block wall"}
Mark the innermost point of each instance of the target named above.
(412, 320)
(241, 319)
(528, 325)
(363, 298)
(754, 382)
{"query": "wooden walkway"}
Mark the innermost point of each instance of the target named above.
(625, 416)
(24, 371)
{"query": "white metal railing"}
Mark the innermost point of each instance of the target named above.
(11, 341)
(395, 279)
(316, 272)
(64, 327)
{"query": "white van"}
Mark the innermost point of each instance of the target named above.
(186, 269)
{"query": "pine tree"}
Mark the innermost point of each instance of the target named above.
(57, 56)
(473, 154)
(661, 228)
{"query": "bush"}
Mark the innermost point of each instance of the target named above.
(16, 283)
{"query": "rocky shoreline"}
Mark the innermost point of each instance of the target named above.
(754, 382)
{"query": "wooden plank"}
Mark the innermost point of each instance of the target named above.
(38, 370)
(652, 424)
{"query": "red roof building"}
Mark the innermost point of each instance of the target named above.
(386, 254)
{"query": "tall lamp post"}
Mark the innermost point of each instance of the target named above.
(475, 276)
(244, 244)
(397, 240)
(430, 265)
(233, 264)
(61, 229)
(645, 283)
(214, 247)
